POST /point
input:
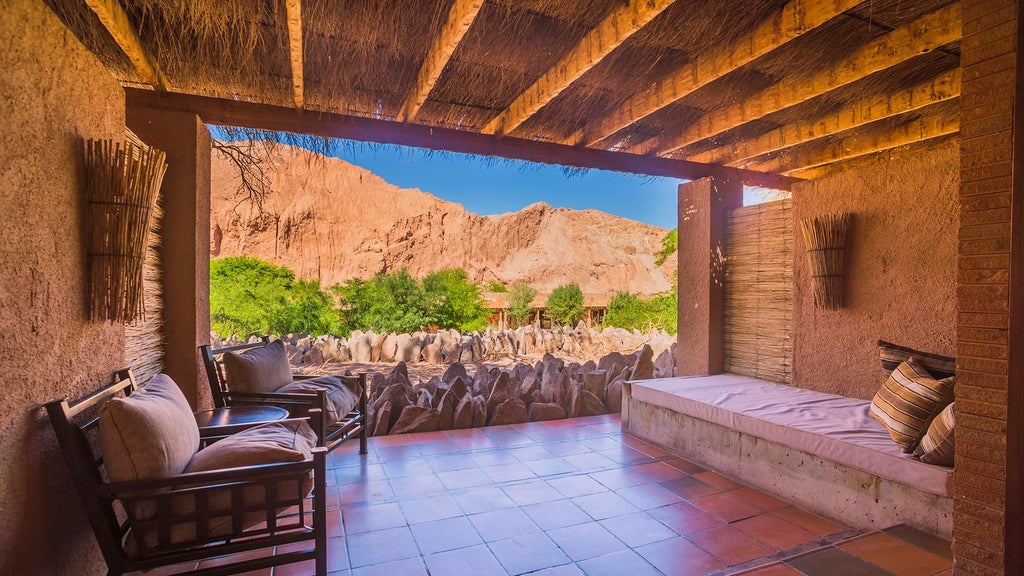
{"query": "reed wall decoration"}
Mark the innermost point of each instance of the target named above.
(122, 181)
(825, 237)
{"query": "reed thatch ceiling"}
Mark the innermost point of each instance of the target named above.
(684, 88)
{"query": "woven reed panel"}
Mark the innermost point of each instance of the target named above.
(143, 339)
(758, 320)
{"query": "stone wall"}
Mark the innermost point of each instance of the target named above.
(53, 93)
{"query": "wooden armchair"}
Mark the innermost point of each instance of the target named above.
(189, 516)
(260, 373)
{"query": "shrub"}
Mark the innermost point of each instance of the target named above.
(520, 303)
(495, 286)
(669, 244)
(626, 310)
(455, 302)
(565, 304)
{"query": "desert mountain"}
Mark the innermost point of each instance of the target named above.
(328, 219)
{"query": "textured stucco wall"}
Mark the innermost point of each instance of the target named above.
(52, 94)
(901, 268)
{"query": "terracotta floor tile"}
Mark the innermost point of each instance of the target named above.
(618, 564)
(929, 542)
(730, 545)
(834, 562)
(584, 541)
(337, 554)
(778, 569)
(759, 499)
(440, 448)
(684, 465)
(533, 492)
(227, 559)
(590, 462)
(508, 472)
(895, 555)
(370, 492)
(647, 496)
(447, 534)
(726, 506)
(570, 448)
(359, 474)
(566, 570)
(430, 509)
(717, 480)
(374, 517)
(808, 521)
(406, 467)
(472, 561)
(550, 466)
(481, 442)
(493, 458)
(556, 514)
(577, 485)
(689, 487)
(604, 505)
(502, 524)
(483, 499)
(657, 471)
(625, 456)
(450, 463)
(684, 518)
(602, 443)
(381, 546)
(531, 453)
(638, 529)
(649, 449)
(680, 557)
(529, 553)
(413, 486)
(618, 478)
(407, 567)
(463, 478)
(775, 531)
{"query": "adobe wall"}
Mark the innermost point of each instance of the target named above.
(901, 263)
(52, 94)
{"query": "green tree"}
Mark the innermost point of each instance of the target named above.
(495, 286)
(520, 302)
(669, 244)
(626, 310)
(392, 302)
(565, 304)
(307, 309)
(455, 301)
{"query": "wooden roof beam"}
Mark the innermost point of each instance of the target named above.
(918, 37)
(852, 147)
(791, 21)
(943, 87)
(115, 20)
(294, 11)
(615, 29)
(227, 112)
(460, 18)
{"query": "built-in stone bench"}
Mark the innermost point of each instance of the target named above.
(820, 451)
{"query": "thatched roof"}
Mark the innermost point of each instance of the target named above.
(781, 87)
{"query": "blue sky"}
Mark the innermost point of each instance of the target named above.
(493, 187)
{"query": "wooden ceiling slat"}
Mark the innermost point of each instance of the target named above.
(922, 35)
(460, 18)
(115, 20)
(595, 46)
(791, 21)
(278, 118)
(294, 11)
(943, 87)
(856, 146)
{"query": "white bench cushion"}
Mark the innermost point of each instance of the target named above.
(832, 427)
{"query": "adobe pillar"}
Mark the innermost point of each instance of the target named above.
(703, 207)
(185, 241)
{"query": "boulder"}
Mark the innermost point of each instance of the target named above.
(383, 420)
(530, 383)
(459, 388)
(463, 415)
(613, 396)
(479, 411)
(540, 411)
(416, 419)
(403, 348)
(375, 346)
(360, 349)
(643, 369)
(665, 365)
(595, 382)
(446, 411)
(466, 353)
(511, 411)
(389, 348)
(453, 371)
(501, 391)
(432, 353)
(313, 356)
(423, 397)
(591, 405)
(551, 386)
(608, 360)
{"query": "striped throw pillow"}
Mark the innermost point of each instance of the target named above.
(908, 401)
(892, 356)
(937, 445)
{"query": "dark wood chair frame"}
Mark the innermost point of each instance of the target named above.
(330, 434)
(75, 424)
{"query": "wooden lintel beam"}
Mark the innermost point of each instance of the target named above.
(460, 18)
(115, 20)
(615, 29)
(852, 147)
(278, 118)
(943, 87)
(918, 37)
(797, 17)
(294, 10)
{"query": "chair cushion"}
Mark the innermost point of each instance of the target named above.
(274, 442)
(342, 395)
(893, 355)
(908, 401)
(150, 434)
(263, 369)
(937, 445)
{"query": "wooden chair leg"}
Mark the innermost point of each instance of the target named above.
(320, 516)
(362, 413)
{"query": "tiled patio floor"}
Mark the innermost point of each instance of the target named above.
(578, 497)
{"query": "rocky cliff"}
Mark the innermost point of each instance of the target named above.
(331, 220)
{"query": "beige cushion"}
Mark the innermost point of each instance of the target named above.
(342, 396)
(937, 445)
(273, 443)
(908, 401)
(150, 434)
(263, 369)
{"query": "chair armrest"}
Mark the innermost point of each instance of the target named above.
(212, 479)
(216, 434)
